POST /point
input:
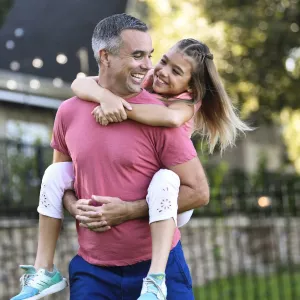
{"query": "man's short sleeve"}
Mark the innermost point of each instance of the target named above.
(174, 147)
(58, 141)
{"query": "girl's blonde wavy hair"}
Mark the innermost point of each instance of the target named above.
(217, 119)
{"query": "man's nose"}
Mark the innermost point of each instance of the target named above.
(147, 63)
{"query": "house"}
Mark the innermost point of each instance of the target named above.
(44, 45)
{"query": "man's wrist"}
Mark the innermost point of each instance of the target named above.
(136, 210)
(73, 209)
(69, 202)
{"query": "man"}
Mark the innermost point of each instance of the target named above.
(119, 161)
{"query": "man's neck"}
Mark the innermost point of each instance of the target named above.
(107, 84)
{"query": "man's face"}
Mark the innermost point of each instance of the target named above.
(128, 68)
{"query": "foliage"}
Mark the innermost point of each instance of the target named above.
(256, 45)
(172, 20)
(5, 6)
(230, 191)
(23, 167)
(236, 191)
(262, 51)
(290, 120)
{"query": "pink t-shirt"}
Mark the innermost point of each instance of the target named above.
(118, 160)
(187, 126)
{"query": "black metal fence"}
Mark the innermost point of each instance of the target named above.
(244, 245)
(21, 169)
(269, 194)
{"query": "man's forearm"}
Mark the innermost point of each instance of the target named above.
(69, 199)
(194, 188)
(189, 198)
(137, 209)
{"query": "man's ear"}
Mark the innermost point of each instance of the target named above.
(104, 57)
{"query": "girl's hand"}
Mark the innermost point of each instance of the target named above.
(113, 109)
(99, 116)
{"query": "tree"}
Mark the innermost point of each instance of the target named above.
(5, 6)
(172, 20)
(256, 45)
(263, 56)
(262, 52)
(23, 166)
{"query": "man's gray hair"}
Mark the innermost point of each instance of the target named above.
(107, 33)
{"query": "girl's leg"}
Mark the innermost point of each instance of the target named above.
(44, 279)
(162, 201)
(162, 233)
(57, 178)
(184, 217)
(49, 229)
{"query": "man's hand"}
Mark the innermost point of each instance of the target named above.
(89, 216)
(113, 212)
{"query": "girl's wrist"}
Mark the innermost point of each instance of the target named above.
(102, 96)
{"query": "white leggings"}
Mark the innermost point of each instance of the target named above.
(161, 198)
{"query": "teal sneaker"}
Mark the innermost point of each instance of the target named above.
(38, 284)
(154, 288)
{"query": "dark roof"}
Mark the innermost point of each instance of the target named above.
(52, 27)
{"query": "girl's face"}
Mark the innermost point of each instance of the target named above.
(173, 73)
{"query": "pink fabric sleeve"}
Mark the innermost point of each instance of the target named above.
(184, 96)
(58, 141)
(148, 81)
(189, 96)
(173, 146)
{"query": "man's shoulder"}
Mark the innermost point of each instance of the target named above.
(70, 104)
(149, 97)
(144, 97)
(70, 101)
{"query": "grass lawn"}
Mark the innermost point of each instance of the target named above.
(276, 286)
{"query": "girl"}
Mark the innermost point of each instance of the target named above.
(187, 82)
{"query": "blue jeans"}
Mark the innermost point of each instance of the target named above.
(91, 282)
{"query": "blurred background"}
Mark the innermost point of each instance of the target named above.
(246, 243)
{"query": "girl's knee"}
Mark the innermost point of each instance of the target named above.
(164, 180)
(57, 174)
(166, 175)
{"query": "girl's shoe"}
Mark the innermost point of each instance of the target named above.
(38, 284)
